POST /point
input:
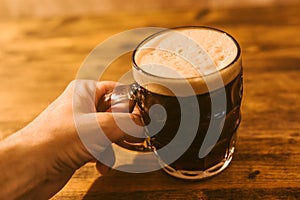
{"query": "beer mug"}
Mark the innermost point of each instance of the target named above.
(188, 88)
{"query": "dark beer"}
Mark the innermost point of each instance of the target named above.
(190, 159)
(153, 89)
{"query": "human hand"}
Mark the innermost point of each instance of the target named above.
(51, 144)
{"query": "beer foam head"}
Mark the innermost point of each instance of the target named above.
(200, 58)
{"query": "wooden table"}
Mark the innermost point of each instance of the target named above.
(40, 56)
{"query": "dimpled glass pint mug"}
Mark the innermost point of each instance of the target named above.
(188, 88)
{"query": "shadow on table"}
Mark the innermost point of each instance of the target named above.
(151, 185)
(119, 184)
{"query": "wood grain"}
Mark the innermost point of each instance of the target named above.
(52, 8)
(40, 56)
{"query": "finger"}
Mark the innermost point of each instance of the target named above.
(98, 130)
(107, 160)
(104, 104)
(118, 126)
(117, 100)
(103, 90)
(102, 169)
(136, 111)
(87, 94)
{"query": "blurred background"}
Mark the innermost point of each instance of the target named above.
(44, 42)
(49, 8)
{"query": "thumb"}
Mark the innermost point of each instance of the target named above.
(98, 130)
(107, 160)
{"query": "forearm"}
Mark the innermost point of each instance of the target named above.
(37, 161)
(20, 166)
(40, 158)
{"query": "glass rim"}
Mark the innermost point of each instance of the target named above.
(235, 60)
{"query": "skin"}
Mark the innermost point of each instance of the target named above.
(40, 158)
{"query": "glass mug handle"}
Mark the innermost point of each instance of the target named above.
(126, 97)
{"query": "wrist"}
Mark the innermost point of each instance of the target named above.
(21, 168)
